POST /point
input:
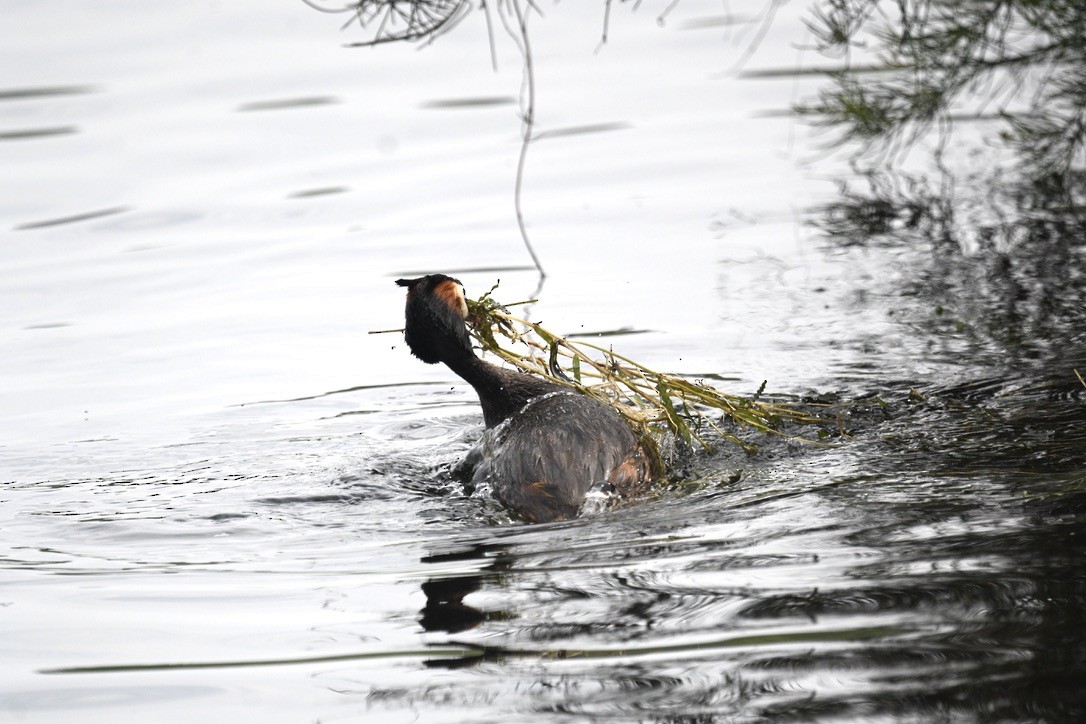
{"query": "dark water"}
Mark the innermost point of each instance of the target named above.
(221, 500)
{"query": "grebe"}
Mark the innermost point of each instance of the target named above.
(545, 445)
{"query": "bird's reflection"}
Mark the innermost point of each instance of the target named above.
(445, 610)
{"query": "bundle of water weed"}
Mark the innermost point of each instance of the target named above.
(657, 404)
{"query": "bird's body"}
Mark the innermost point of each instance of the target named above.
(545, 446)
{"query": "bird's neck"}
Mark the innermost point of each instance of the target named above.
(502, 393)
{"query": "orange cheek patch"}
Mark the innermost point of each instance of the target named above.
(449, 292)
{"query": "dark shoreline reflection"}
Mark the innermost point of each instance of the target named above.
(1005, 641)
(975, 499)
(990, 552)
(1001, 276)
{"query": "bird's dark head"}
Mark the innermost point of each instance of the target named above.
(435, 315)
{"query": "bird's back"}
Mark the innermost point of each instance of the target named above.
(542, 461)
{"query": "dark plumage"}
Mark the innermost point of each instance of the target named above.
(545, 445)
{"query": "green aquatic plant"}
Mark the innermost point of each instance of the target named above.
(655, 403)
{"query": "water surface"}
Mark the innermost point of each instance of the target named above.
(223, 500)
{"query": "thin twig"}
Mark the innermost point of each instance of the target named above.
(527, 127)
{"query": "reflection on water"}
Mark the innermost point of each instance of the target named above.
(286, 104)
(930, 580)
(1004, 273)
(929, 568)
(74, 219)
(217, 491)
(22, 135)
